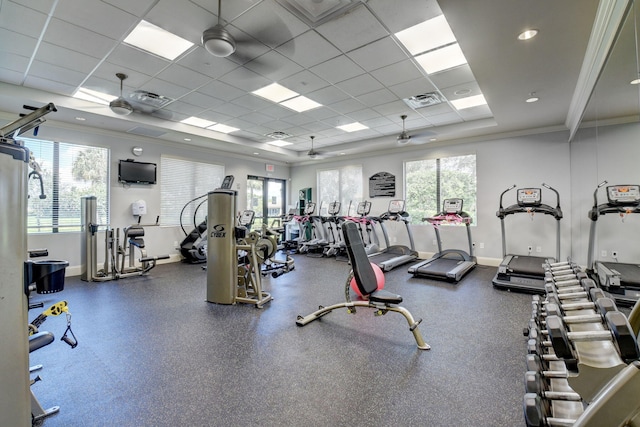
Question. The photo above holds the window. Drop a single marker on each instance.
(343, 185)
(429, 182)
(181, 181)
(69, 171)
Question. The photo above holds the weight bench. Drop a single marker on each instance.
(37, 341)
(362, 271)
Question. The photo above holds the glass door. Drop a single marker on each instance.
(266, 197)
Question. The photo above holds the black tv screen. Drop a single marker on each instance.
(136, 172)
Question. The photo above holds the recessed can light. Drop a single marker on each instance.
(635, 81)
(527, 34)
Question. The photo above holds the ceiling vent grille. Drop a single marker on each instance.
(278, 135)
(424, 100)
(150, 99)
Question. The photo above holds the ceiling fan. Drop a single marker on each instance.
(140, 101)
(313, 153)
(405, 138)
(272, 32)
(120, 105)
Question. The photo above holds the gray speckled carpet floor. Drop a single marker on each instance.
(153, 352)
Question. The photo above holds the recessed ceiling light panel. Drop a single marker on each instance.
(158, 41)
(300, 104)
(352, 127)
(198, 122)
(442, 59)
(428, 35)
(469, 101)
(275, 93)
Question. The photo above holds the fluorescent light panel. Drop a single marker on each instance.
(300, 104)
(94, 96)
(157, 41)
(279, 143)
(275, 93)
(352, 127)
(223, 128)
(442, 59)
(427, 35)
(196, 121)
(469, 101)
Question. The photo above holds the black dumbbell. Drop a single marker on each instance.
(536, 412)
(619, 332)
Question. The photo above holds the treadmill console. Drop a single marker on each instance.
(396, 206)
(364, 208)
(452, 206)
(623, 195)
(309, 208)
(529, 196)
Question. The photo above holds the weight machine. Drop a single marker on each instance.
(116, 254)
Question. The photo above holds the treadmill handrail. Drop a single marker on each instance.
(542, 208)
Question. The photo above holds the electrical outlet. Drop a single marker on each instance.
(538, 249)
(614, 254)
(603, 254)
(481, 245)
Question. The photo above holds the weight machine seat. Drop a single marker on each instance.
(362, 271)
(40, 340)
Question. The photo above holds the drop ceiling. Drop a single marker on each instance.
(350, 61)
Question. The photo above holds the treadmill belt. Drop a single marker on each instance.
(440, 267)
(629, 273)
(527, 265)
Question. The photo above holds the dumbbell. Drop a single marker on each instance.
(602, 306)
(536, 410)
(594, 295)
(577, 289)
(534, 383)
(619, 332)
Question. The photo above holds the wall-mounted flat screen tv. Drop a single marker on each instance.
(131, 172)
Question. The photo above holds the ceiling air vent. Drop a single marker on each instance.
(278, 135)
(424, 100)
(149, 99)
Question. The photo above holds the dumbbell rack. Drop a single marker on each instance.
(578, 342)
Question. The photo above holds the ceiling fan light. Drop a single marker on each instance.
(218, 41)
(121, 107)
(403, 139)
(312, 154)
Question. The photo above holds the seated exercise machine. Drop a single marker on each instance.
(233, 254)
(367, 282)
(393, 256)
(621, 280)
(17, 163)
(448, 264)
(115, 265)
(526, 272)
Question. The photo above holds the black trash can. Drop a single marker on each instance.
(48, 275)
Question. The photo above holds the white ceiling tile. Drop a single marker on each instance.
(356, 28)
(276, 111)
(347, 106)
(51, 53)
(445, 118)
(183, 76)
(255, 117)
(215, 116)
(245, 79)
(337, 69)
(412, 88)
(298, 119)
(378, 54)
(435, 110)
(328, 95)
(138, 60)
(107, 71)
(469, 88)
(360, 85)
(138, 7)
(79, 39)
(222, 91)
(399, 72)
(379, 121)
(13, 17)
(164, 88)
(10, 76)
(364, 115)
(377, 97)
(392, 108)
(184, 108)
(96, 16)
(203, 62)
(309, 49)
(14, 62)
(49, 85)
(321, 113)
(270, 23)
(411, 13)
(201, 100)
(15, 43)
(452, 77)
(252, 102)
(44, 6)
(274, 66)
(232, 110)
(56, 73)
(304, 82)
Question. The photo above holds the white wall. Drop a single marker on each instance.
(526, 161)
(159, 240)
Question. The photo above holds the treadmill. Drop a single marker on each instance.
(620, 280)
(393, 256)
(525, 273)
(448, 264)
